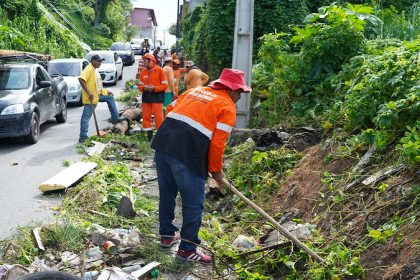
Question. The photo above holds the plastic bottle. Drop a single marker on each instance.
(90, 275)
(154, 273)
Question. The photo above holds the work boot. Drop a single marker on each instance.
(119, 119)
(150, 135)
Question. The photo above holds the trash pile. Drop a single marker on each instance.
(109, 254)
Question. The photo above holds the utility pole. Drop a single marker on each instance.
(177, 28)
(242, 54)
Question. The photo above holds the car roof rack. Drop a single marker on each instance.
(9, 57)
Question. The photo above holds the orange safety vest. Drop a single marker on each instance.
(196, 130)
(153, 77)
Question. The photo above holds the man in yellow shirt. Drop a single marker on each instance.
(195, 77)
(92, 93)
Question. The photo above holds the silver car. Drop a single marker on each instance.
(111, 69)
(70, 69)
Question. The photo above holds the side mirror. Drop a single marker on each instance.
(44, 84)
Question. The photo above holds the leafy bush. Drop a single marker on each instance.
(207, 31)
(294, 76)
(404, 25)
(264, 171)
(379, 91)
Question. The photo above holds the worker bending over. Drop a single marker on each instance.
(195, 77)
(189, 145)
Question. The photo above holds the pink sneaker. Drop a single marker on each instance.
(193, 256)
(168, 241)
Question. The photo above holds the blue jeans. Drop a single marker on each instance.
(87, 114)
(174, 177)
(111, 105)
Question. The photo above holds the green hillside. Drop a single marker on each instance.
(59, 27)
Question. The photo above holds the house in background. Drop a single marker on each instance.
(144, 20)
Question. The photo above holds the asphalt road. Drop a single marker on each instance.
(24, 167)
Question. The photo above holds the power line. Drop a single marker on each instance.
(65, 19)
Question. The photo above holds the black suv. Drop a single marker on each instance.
(125, 51)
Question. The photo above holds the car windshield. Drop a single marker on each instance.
(136, 41)
(109, 57)
(14, 78)
(120, 47)
(64, 68)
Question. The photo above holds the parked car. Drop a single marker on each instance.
(136, 45)
(28, 98)
(111, 69)
(70, 69)
(125, 51)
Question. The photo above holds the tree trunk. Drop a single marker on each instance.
(97, 8)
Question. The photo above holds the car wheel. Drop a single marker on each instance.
(50, 275)
(62, 115)
(120, 77)
(34, 130)
(116, 78)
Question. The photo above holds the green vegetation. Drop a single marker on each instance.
(349, 69)
(28, 26)
(329, 74)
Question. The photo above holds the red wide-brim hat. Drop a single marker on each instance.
(233, 79)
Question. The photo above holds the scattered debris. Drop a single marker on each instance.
(125, 208)
(97, 149)
(300, 231)
(243, 242)
(38, 241)
(383, 174)
(365, 159)
(141, 272)
(270, 139)
(67, 177)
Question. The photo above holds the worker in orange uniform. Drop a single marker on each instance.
(189, 145)
(170, 90)
(178, 72)
(195, 77)
(152, 84)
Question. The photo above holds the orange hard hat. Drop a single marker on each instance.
(150, 57)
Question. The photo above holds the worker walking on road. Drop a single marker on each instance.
(195, 77)
(152, 84)
(92, 93)
(189, 145)
(170, 90)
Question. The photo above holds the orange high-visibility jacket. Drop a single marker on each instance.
(195, 78)
(153, 77)
(196, 130)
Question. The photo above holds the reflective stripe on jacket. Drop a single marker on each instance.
(196, 130)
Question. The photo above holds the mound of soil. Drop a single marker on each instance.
(398, 257)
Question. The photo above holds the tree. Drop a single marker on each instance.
(172, 29)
